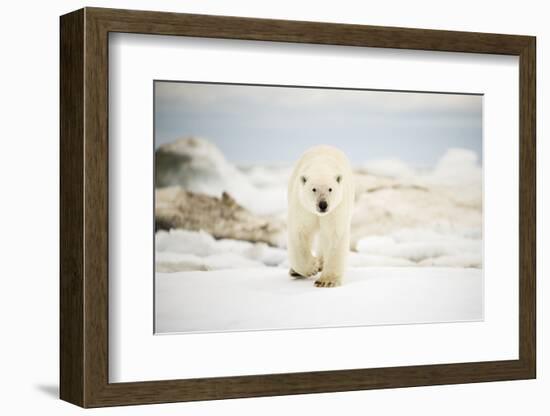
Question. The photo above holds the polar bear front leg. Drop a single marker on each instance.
(302, 261)
(335, 248)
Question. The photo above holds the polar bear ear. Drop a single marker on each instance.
(339, 178)
(304, 179)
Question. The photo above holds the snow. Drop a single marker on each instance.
(419, 245)
(405, 218)
(183, 250)
(368, 260)
(204, 169)
(402, 217)
(267, 298)
(417, 250)
(168, 262)
(457, 167)
(393, 168)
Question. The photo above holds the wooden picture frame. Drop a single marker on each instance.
(84, 207)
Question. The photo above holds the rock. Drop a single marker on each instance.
(220, 217)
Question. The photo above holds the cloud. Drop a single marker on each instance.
(225, 97)
(247, 122)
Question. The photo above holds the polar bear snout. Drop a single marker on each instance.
(321, 196)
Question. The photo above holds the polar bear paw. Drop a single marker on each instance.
(311, 270)
(326, 281)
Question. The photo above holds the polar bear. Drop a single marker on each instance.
(321, 194)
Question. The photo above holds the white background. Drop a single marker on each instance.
(136, 355)
(29, 181)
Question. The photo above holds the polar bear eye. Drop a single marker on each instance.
(304, 179)
(314, 190)
(330, 189)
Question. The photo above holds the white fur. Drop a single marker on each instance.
(323, 173)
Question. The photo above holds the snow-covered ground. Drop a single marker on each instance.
(267, 298)
(416, 256)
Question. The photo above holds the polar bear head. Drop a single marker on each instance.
(320, 190)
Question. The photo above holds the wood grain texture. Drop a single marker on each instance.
(226, 27)
(84, 207)
(71, 219)
(527, 208)
(96, 208)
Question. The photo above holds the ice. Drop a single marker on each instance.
(403, 216)
(168, 262)
(183, 250)
(426, 247)
(456, 260)
(416, 251)
(202, 168)
(188, 242)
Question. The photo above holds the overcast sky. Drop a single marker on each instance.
(263, 124)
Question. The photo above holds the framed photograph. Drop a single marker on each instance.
(254, 207)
